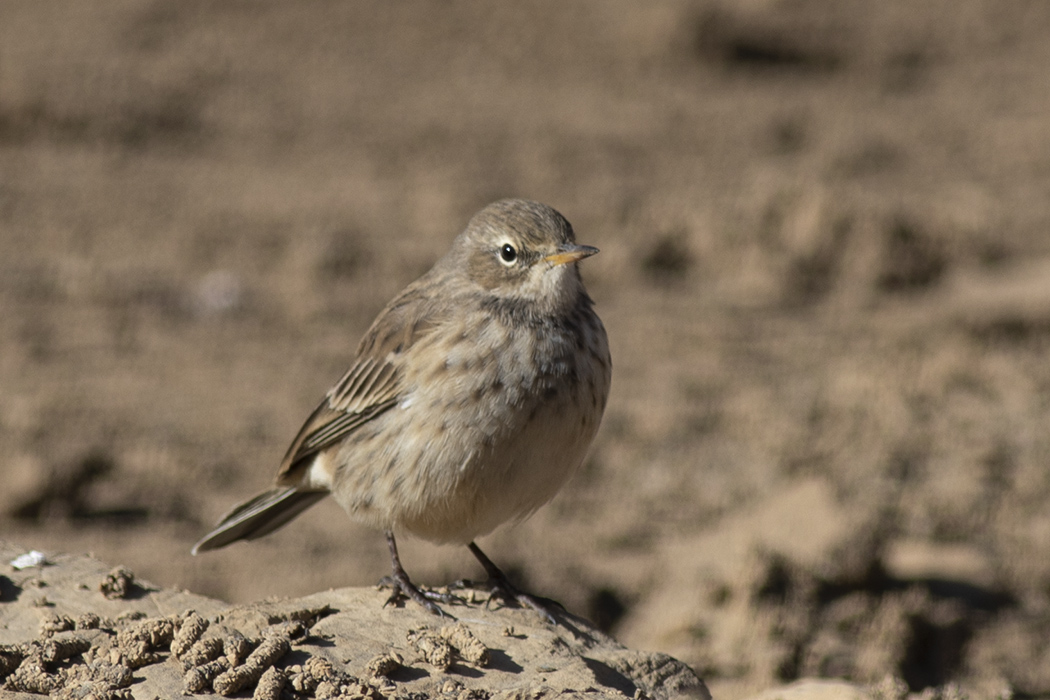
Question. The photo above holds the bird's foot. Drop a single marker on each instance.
(401, 588)
(502, 590)
(404, 588)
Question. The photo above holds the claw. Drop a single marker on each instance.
(501, 588)
(402, 587)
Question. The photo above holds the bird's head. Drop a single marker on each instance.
(521, 251)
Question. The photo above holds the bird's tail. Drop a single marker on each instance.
(259, 516)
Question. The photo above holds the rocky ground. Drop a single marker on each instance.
(825, 273)
(72, 629)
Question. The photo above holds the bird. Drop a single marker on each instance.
(470, 401)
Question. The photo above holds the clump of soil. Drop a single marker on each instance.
(340, 644)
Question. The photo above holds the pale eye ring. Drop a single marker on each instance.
(508, 254)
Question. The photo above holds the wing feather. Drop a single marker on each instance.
(371, 386)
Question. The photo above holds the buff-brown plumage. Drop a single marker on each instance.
(470, 401)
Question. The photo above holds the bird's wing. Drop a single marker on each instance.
(371, 386)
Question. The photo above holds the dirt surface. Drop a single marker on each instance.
(825, 273)
(66, 634)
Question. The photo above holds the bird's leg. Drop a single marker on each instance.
(502, 588)
(403, 586)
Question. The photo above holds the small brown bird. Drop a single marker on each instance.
(471, 400)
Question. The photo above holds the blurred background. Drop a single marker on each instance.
(825, 273)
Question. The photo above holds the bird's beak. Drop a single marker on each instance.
(570, 253)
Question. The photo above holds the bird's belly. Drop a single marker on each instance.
(454, 474)
(477, 443)
(532, 466)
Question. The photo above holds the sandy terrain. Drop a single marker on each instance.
(74, 625)
(825, 273)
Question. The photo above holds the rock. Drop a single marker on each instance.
(337, 643)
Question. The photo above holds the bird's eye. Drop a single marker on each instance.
(508, 254)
